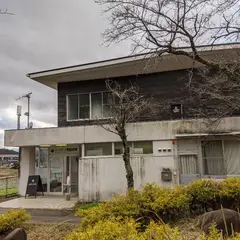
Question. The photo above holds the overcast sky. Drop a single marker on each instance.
(45, 34)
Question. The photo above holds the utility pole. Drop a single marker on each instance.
(28, 96)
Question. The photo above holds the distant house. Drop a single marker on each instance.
(172, 149)
(8, 156)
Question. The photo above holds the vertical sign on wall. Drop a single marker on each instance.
(176, 111)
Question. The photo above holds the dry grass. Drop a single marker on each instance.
(189, 228)
(8, 172)
(53, 231)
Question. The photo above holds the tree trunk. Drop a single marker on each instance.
(126, 159)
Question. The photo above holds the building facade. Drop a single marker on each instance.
(169, 149)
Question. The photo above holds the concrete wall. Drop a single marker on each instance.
(27, 168)
(162, 130)
(101, 178)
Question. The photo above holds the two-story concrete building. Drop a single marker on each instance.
(91, 156)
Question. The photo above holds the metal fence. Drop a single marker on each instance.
(8, 186)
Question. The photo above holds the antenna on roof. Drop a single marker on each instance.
(19, 113)
(28, 96)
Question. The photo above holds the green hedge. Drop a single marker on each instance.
(12, 219)
(168, 204)
(115, 229)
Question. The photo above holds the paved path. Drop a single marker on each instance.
(49, 215)
(56, 219)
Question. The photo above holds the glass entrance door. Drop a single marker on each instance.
(55, 175)
(70, 175)
(54, 170)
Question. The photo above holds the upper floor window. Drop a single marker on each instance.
(88, 106)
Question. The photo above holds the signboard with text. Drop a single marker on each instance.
(34, 185)
(68, 150)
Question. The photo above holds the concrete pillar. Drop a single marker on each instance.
(27, 168)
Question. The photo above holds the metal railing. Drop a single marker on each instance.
(8, 186)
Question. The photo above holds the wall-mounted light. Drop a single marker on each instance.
(61, 145)
(45, 145)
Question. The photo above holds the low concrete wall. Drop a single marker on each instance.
(101, 178)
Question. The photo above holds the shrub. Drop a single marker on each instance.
(12, 219)
(116, 229)
(157, 231)
(167, 203)
(111, 229)
(204, 194)
(156, 203)
(119, 207)
(230, 193)
(215, 234)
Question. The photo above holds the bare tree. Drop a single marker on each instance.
(213, 95)
(125, 105)
(165, 25)
(5, 12)
(179, 27)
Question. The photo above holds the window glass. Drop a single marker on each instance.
(41, 165)
(81, 105)
(84, 108)
(142, 147)
(96, 102)
(213, 158)
(98, 149)
(135, 147)
(43, 161)
(118, 148)
(72, 107)
(189, 164)
(106, 104)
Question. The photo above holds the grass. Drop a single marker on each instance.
(8, 177)
(10, 192)
(53, 231)
(84, 206)
(189, 228)
(8, 172)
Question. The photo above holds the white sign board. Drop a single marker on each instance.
(68, 150)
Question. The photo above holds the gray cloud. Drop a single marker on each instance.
(43, 35)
